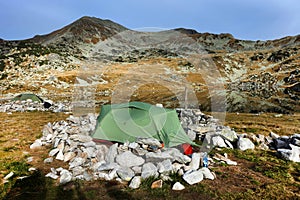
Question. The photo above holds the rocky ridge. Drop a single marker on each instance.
(259, 76)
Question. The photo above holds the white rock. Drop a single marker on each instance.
(165, 167)
(291, 155)
(230, 162)
(218, 141)
(78, 171)
(133, 145)
(195, 163)
(61, 146)
(32, 169)
(244, 144)
(69, 156)
(128, 159)
(89, 144)
(192, 135)
(53, 152)
(9, 175)
(125, 173)
(112, 153)
(137, 169)
(49, 137)
(149, 169)
(78, 161)
(111, 175)
(180, 172)
(81, 138)
(101, 152)
(37, 144)
(193, 177)
(108, 166)
(135, 182)
(52, 175)
(178, 156)
(207, 173)
(48, 160)
(149, 141)
(157, 156)
(60, 155)
(229, 134)
(178, 186)
(177, 166)
(65, 177)
(274, 135)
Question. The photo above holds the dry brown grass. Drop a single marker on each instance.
(18, 131)
(264, 123)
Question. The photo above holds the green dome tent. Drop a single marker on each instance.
(33, 97)
(130, 121)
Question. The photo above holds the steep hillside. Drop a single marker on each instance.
(257, 75)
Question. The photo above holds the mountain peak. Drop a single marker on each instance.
(85, 29)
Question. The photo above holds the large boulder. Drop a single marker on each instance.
(244, 144)
(128, 159)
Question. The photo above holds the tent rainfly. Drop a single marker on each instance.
(33, 97)
(130, 121)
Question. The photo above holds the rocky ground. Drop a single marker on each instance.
(71, 154)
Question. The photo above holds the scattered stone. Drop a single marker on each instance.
(125, 173)
(291, 155)
(112, 153)
(37, 144)
(207, 173)
(52, 175)
(65, 177)
(295, 141)
(133, 145)
(244, 144)
(29, 159)
(53, 152)
(69, 156)
(195, 162)
(218, 141)
(193, 177)
(149, 141)
(76, 162)
(229, 134)
(148, 170)
(157, 156)
(32, 169)
(9, 175)
(157, 184)
(48, 160)
(178, 156)
(192, 135)
(81, 138)
(165, 167)
(128, 159)
(137, 169)
(219, 157)
(178, 186)
(274, 135)
(108, 166)
(60, 155)
(135, 182)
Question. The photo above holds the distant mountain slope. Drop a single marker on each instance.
(258, 75)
